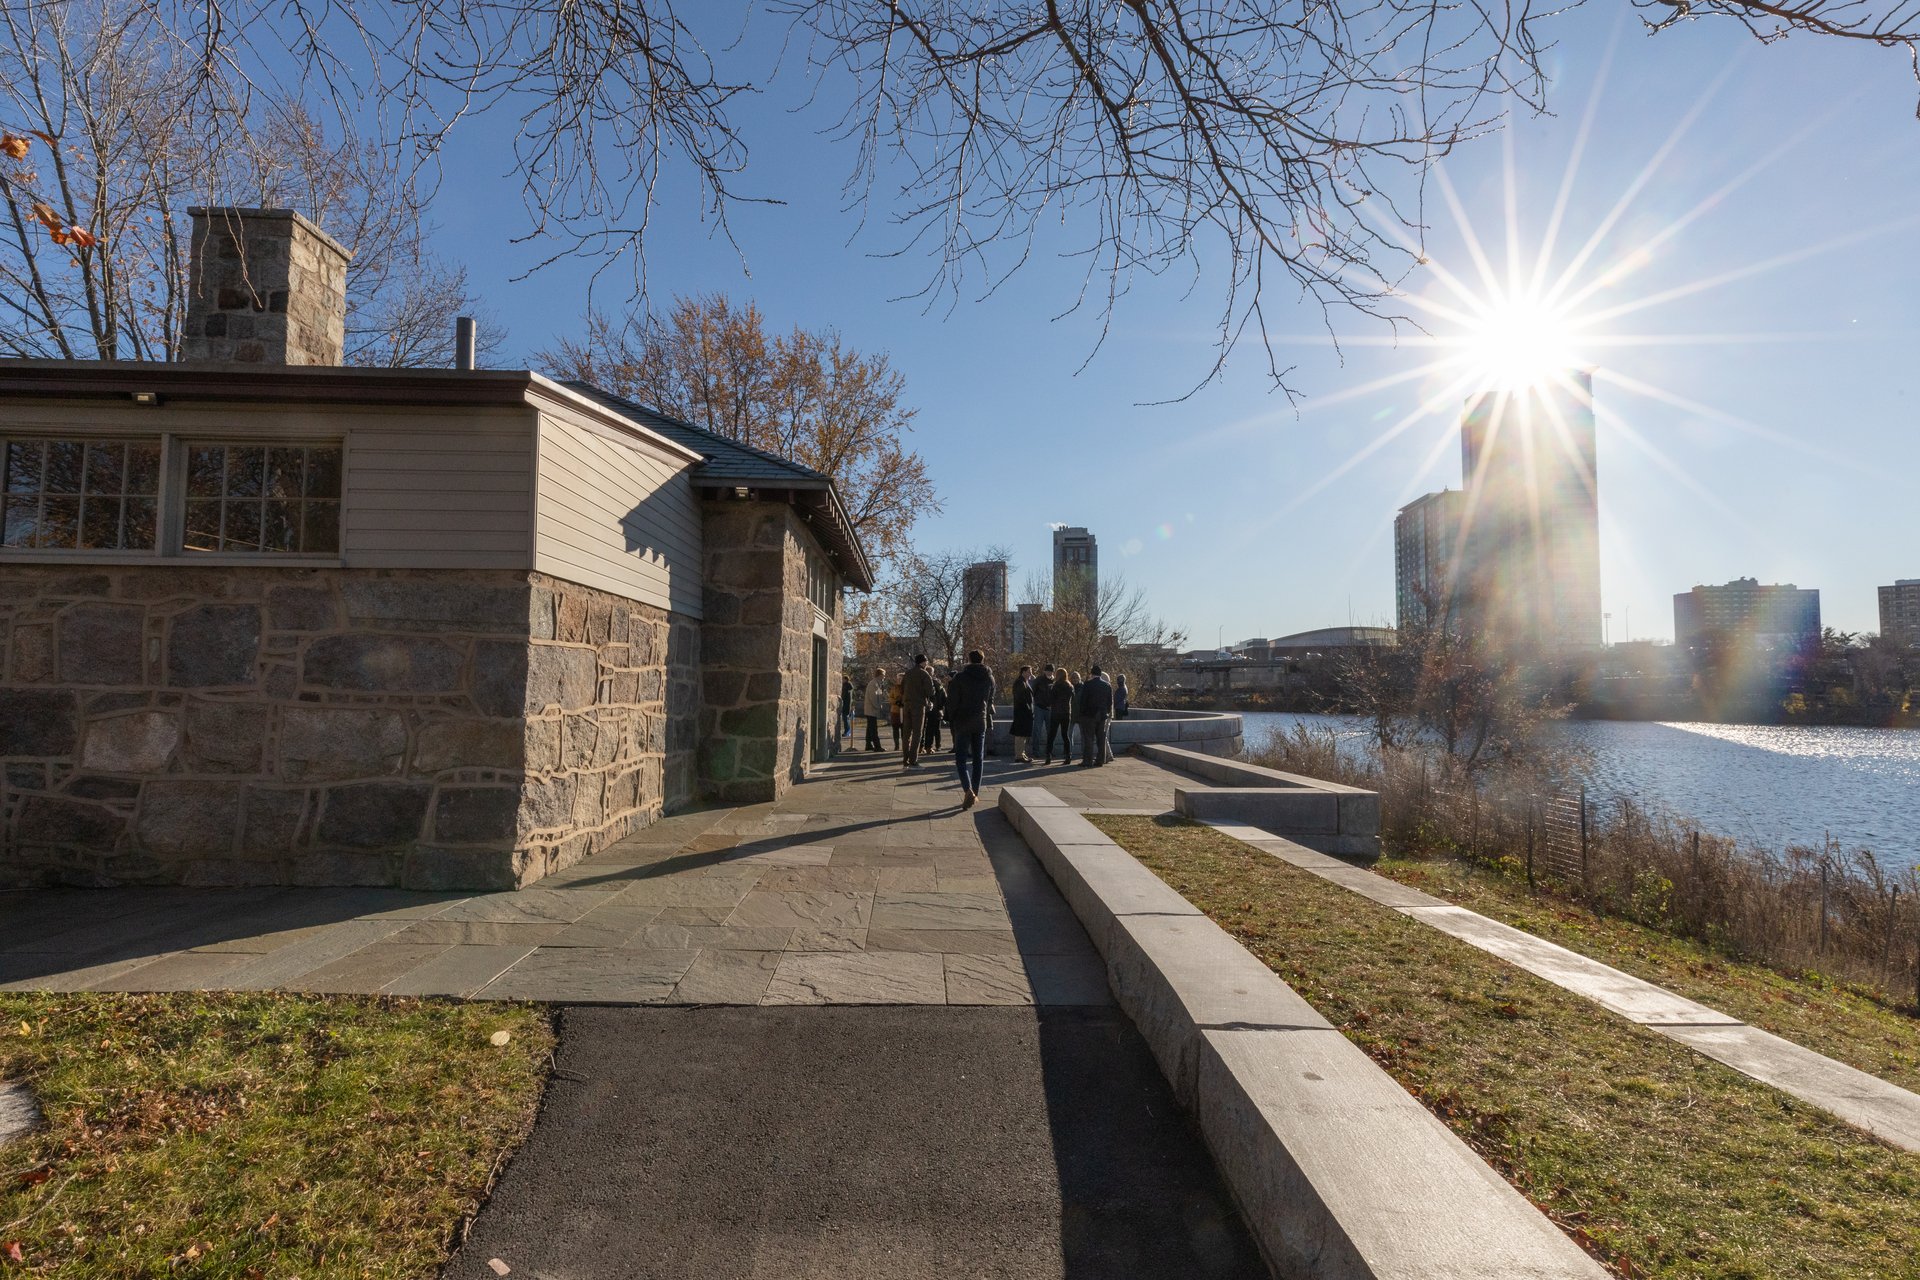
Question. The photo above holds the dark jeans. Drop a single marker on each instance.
(873, 733)
(933, 731)
(1064, 727)
(1041, 719)
(970, 756)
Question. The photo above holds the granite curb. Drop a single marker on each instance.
(1340, 1173)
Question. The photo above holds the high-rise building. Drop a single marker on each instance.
(1076, 570)
(1020, 624)
(984, 609)
(1426, 537)
(1745, 616)
(1900, 612)
(1527, 568)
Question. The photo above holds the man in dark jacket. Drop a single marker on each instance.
(936, 712)
(1094, 710)
(1042, 709)
(1062, 719)
(970, 699)
(916, 693)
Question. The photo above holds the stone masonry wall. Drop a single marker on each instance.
(324, 726)
(611, 706)
(251, 726)
(757, 652)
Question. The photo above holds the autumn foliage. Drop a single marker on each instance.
(804, 395)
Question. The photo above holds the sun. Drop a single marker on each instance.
(1516, 341)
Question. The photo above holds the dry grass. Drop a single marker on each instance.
(1663, 1162)
(257, 1135)
(1837, 914)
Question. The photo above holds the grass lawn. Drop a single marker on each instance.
(1838, 1020)
(1663, 1162)
(257, 1135)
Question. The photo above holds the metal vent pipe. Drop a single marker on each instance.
(463, 342)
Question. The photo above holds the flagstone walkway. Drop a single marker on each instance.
(865, 885)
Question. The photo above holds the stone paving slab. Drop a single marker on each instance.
(867, 883)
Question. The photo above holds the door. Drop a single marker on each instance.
(817, 723)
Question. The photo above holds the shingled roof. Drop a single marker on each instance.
(728, 464)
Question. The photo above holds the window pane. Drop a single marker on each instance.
(281, 531)
(60, 523)
(100, 523)
(242, 532)
(283, 472)
(64, 458)
(203, 524)
(246, 472)
(323, 473)
(143, 469)
(22, 520)
(140, 525)
(322, 527)
(205, 466)
(105, 467)
(23, 466)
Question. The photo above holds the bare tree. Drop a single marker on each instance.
(1286, 140)
(805, 395)
(112, 130)
(1122, 624)
(935, 601)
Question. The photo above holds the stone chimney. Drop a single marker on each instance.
(264, 286)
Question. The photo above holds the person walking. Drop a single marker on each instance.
(876, 700)
(970, 698)
(1093, 708)
(1042, 709)
(846, 705)
(1120, 696)
(1062, 720)
(1022, 729)
(916, 695)
(936, 712)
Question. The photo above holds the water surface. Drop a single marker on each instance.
(1770, 784)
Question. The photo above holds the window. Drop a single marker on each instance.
(88, 495)
(66, 494)
(820, 585)
(259, 497)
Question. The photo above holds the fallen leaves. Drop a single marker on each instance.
(499, 1039)
(11, 1250)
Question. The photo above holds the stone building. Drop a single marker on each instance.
(270, 620)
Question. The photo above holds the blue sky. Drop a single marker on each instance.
(1758, 421)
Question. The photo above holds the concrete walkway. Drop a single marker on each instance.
(866, 884)
(830, 1143)
(1883, 1109)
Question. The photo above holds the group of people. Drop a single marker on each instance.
(1045, 706)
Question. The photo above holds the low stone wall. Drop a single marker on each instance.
(241, 725)
(1216, 733)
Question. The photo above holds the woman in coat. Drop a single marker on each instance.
(877, 701)
(1120, 697)
(1022, 714)
(1061, 721)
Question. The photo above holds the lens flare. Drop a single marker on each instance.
(1519, 342)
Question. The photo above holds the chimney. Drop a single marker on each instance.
(264, 286)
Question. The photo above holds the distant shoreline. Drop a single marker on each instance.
(1259, 701)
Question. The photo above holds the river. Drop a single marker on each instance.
(1769, 784)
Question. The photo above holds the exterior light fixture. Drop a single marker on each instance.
(149, 398)
(741, 491)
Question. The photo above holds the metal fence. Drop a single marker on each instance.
(1561, 844)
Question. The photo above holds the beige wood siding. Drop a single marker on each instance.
(617, 514)
(424, 488)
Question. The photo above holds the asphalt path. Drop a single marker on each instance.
(849, 1142)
